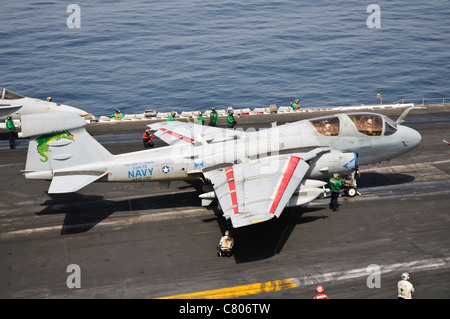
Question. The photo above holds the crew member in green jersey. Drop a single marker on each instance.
(200, 118)
(231, 122)
(213, 117)
(335, 187)
(11, 131)
(172, 117)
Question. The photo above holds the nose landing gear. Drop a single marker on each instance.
(351, 189)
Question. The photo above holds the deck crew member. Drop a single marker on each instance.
(200, 118)
(117, 115)
(231, 122)
(172, 117)
(335, 187)
(147, 138)
(213, 117)
(225, 245)
(320, 293)
(11, 131)
(405, 288)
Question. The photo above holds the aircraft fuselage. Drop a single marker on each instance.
(348, 148)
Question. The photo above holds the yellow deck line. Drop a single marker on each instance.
(238, 291)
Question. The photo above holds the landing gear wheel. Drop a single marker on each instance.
(351, 191)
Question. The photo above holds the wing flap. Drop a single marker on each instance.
(296, 168)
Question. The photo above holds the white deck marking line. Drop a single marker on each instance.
(418, 265)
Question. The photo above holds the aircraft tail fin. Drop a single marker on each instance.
(60, 149)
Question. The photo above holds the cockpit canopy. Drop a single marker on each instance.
(366, 123)
(9, 95)
(328, 126)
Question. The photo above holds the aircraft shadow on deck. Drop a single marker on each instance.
(255, 242)
(372, 179)
(264, 240)
(83, 212)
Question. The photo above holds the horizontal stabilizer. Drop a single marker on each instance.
(72, 183)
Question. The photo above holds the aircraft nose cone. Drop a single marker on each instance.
(417, 138)
(410, 137)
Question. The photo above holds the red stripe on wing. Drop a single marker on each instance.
(179, 136)
(232, 186)
(292, 165)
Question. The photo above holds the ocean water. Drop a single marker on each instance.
(195, 54)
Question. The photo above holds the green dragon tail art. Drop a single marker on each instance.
(45, 140)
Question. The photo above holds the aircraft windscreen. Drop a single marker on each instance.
(328, 126)
(368, 124)
(10, 95)
(389, 126)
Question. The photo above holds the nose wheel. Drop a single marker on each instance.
(350, 185)
(351, 191)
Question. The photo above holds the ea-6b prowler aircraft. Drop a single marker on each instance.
(254, 174)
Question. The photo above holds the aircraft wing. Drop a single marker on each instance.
(184, 132)
(7, 109)
(256, 191)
